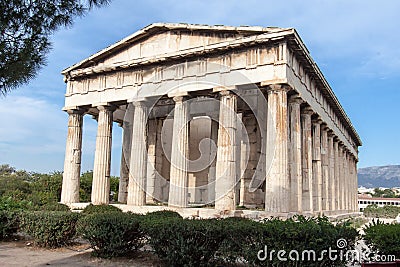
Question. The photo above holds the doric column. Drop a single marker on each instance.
(317, 167)
(355, 184)
(337, 173)
(151, 184)
(72, 162)
(307, 160)
(102, 156)
(341, 177)
(212, 170)
(351, 183)
(295, 164)
(178, 189)
(124, 169)
(243, 148)
(346, 180)
(325, 167)
(277, 181)
(138, 159)
(226, 177)
(331, 184)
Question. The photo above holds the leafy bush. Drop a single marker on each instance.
(50, 228)
(241, 237)
(91, 209)
(10, 204)
(245, 238)
(8, 223)
(55, 206)
(46, 188)
(184, 242)
(163, 214)
(382, 212)
(111, 234)
(383, 238)
(86, 182)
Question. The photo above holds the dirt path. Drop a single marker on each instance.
(19, 254)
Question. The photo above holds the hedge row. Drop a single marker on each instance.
(383, 238)
(49, 228)
(184, 242)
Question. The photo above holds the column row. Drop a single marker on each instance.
(311, 171)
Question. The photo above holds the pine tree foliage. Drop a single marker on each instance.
(26, 27)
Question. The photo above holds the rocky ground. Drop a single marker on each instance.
(22, 253)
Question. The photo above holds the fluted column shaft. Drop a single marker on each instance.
(72, 162)
(317, 167)
(212, 169)
(138, 159)
(124, 169)
(337, 174)
(226, 177)
(331, 182)
(295, 164)
(307, 177)
(341, 178)
(178, 189)
(351, 184)
(152, 141)
(102, 156)
(355, 184)
(325, 167)
(345, 181)
(277, 181)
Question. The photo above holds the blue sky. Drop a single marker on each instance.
(355, 43)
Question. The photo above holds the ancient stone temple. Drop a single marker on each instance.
(214, 118)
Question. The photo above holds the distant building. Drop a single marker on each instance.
(364, 190)
(366, 200)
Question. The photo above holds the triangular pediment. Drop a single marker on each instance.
(162, 38)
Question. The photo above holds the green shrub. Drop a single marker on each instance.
(9, 223)
(163, 214)
(184, 242)
(52, 206)
(8, 203)
(241, 237)
(91, 209)
(383, 239)
(50, 228)
(381, 212)
(111, 234)
(245, 238)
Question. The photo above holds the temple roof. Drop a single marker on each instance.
(155, 28)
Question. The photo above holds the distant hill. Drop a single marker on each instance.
(380, 176)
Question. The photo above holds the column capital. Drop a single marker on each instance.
(296, 99)
(76, 110)
(180, 98)
(272, 88)
(140, 103)
(106, 107)
(331, 134)
(307, 111)
(226, 92)
(317, 121)
(325, 127)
